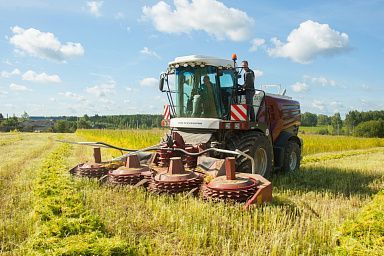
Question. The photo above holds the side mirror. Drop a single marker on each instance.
(161, 82)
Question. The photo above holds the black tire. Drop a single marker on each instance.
(256, 145)
(292, 157)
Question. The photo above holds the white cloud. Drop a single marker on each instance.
(44, 44)
(149, 81)
(119, 16)
(256, 43)
(94, 7)
(258, 73)
(129, 89)
(147, 51)
(300, 87)
(323, 81)
(210, 16)
(318, 104)
(102, 90)
(337, 106)
(43, 77)
(3, 93)
(18, 88)
(72, 95)
(6, 74)
(310, 40)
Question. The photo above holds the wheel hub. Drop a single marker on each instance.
(292, 161)
(261, 161)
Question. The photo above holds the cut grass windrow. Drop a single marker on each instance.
(365, 234)
(17, 171)
(63, 225)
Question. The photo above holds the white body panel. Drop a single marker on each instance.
(199, 59)
(278, 96)
(197, 123)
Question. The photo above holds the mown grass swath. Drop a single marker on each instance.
(365, 234)
(20, 158)
(63, 225)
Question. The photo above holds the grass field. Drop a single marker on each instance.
(321, 210)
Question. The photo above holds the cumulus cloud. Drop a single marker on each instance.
(42, 78)
(94, 7)
(258, 73)
(44, 44)
(149, 81)
(72, 95)
(321, 80)
(147, 51)
(318, 104)
(300, 87)
(309, 40)
(102, 90)
(18, 88)
(256, 43)
(6, 74)
(119, 16)
(210, 16)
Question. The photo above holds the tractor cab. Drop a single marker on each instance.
(200, 87)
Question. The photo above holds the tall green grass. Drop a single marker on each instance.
(313, 144)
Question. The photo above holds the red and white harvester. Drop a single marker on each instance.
(213, 148)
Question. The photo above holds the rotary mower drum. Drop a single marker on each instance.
(177, 167)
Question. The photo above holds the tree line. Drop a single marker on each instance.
(365, 124)
(362, 124)
(72, 123)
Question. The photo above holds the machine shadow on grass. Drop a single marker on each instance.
(331, 180)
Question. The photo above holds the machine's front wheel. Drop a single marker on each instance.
(292, 157)
(257, 146)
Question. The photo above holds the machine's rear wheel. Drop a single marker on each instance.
(256, 145)
(292, 157)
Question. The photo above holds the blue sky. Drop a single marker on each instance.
(105, 57)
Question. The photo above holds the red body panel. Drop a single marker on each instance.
(284, 114)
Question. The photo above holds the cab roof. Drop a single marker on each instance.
(193, 60)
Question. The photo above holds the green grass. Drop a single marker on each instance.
(309, 208)
(365, 234)
(314, 144)
(63, 225)
(313, 211)
(315, 129)
(19, 161)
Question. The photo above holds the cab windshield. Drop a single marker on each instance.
(203, 91)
